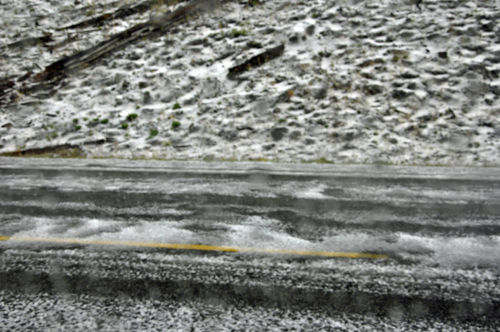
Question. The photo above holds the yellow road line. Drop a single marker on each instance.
(196, 247)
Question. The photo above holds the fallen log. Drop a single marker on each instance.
(84, 58)
(122, 12)
(257, 60)
(31, 42)
(56, 71)
(63, 151)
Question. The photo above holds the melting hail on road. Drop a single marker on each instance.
(261, 237)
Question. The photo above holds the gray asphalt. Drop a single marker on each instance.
(439, 227)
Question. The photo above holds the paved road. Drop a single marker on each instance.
(439, 228)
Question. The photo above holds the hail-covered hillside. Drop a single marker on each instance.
(356, 81)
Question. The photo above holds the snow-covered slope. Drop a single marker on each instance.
(358, 82)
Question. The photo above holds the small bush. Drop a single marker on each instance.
(175, 124)
(75, 120)
(124, 125)
(282, 120)
(153, 133)
(238, 33)
(131, 117)
(104, 121)
(176, 106)
(78, 127)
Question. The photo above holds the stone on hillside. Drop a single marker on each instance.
(293, 38)
(267, 147)
(310, 29)
(409, 74)
(309, 141)
(207, 141)
(373, 89)
(278, 133)
(167, 96)
(211, 88)
(229, 134)
(196, 41)
(147, 99)
(495, 88)
(443, 55)
(409, 34)
(193, 128)
(401, 94)
(295, 134)
(476, 87)
(319, 92)
(350, 135)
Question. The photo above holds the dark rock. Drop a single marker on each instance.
(450, 113)
(295, 134)
(309, 141)
(268, 147)
(495, 88)
(134, 56)
(196, 41)
(208, 141)
(245, 128)
(471, 32)
(407, 34)
(373, 89)
(409, 74)
(211, 88)
(476, 87)
(443, 55)
(258, 60)
(494, 60)
(392, 140)
(142, 85)
(488, 27)
(294, 38)
(371, 62)
(483, 69)
(278, 133)
(147, 98)
(410, 128)
(400, 94)
(193, 128)
(230, 135)
(320, 92)
(349, 136)
(475, 48)
(310, 29)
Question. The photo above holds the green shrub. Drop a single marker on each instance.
(124, 125)
(78, 127)
(104, 121)
(238, 33)
(176, 106)
(175, 124)
(153, 133)
(131, 117)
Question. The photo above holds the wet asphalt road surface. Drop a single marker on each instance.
(439, 227)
